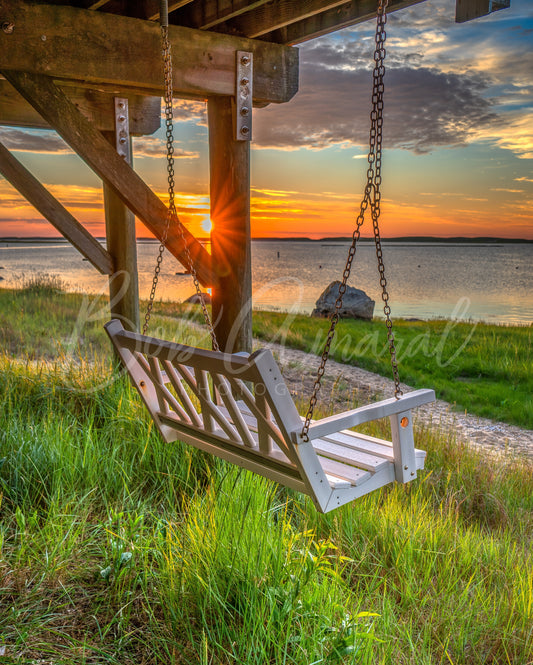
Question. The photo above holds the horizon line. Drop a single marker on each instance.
(419, 238)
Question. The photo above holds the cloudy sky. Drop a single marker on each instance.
(458, 138)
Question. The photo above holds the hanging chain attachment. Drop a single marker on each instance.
(172, 214)
(167, 65)
(372, 198)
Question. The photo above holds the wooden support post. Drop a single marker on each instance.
(122, 245)
(230, 237)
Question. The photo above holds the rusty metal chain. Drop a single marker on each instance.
(172, 214)
(372, 198)
(167, 64)
(376, 143)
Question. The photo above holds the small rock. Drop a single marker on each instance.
(355, 304)
(195, 299)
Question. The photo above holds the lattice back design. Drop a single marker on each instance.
(222, 405)
(203, 396)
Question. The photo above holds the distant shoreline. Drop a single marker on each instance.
(12, 240)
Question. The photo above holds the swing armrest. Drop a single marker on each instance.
(363, 414)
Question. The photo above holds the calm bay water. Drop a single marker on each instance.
(493, 283)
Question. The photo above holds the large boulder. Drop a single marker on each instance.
(197, 300)
(355, 304)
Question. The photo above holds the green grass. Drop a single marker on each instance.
(118, 548)
(484, 369)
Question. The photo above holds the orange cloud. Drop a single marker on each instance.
(289, 213)
(320, 215)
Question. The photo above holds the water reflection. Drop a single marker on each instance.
(425, 280)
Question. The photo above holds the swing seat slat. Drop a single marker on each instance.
(239, 408)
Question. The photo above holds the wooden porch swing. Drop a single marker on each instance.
(238, 407)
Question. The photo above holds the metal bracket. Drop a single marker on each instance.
(122, 128)
(244, 73)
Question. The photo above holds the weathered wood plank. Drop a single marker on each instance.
(96, 106)
(349, 13)
(279, 13)
(92, 4)
(351, 473)
(152, 7)
(229, 165)
(93, 148)
(209, 14)
(468, 10)
(224, 390)
(369, 444)
(50, 208)
(95, 49)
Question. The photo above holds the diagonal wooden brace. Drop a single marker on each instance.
(50, 208)
(54, 106)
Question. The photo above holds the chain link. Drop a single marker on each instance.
(372, 198)
(172, 214)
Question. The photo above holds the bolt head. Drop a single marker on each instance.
(245, 111)
(245, 60)
(122, 140)
(245, 130)
(245, 81)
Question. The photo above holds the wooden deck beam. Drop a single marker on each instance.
(92, 147)
(468, 10)
(207, 15)
(336, 18)
(50, 208)
(279, 13)
(122, 54)
(153, 14)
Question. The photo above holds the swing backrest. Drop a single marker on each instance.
(235, 406)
